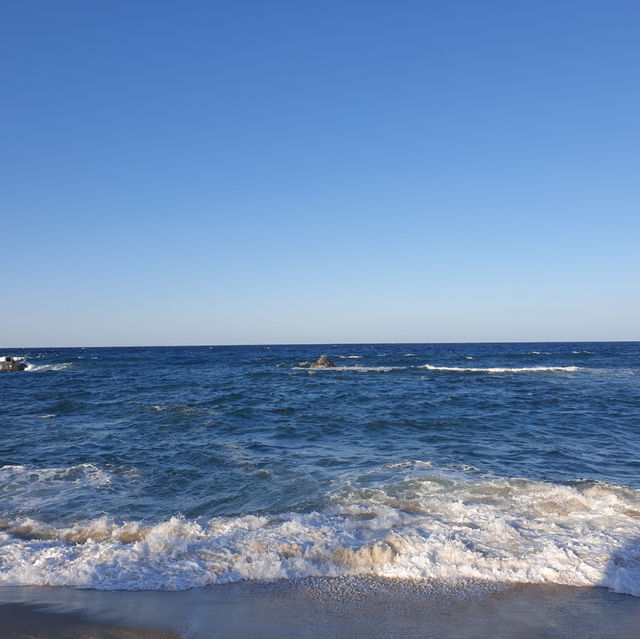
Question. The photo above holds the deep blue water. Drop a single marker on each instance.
(144, 434)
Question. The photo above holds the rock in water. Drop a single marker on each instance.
(323, 362)
(11, 366)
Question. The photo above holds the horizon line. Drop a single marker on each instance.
(257, 344)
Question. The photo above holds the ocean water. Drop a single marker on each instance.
(174, 468)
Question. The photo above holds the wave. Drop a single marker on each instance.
(446, 369)
(427, 527)
(87, 473)
(48, 367)
(350, 356)
(502, 369)
(357, 368)
(25, 488)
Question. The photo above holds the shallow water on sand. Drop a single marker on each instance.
(343, 607)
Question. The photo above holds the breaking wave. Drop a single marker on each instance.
(446, 369)
(48, 367)
(428, 526)
(502, 369)
(357, 368)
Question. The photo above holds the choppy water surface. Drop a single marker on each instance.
(168, 468)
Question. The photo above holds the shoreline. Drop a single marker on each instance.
(343, 607)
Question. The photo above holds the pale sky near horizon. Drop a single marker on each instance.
(310, 172)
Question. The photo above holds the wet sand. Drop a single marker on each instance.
(350, 608)
(21, 622)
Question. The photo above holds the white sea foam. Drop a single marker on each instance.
(48, 367)
(408, 463)
(29, 487)
(448, 369)
(358, 368)
(350, 356)
(503, 369)
(424, 527)
(79, 473)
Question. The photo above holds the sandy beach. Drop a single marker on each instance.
(320, 608)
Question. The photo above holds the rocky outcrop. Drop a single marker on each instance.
(11, 366)
(323, 362)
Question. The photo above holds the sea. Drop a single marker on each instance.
(173, 468)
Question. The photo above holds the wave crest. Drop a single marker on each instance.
(503, 369)
(32, 368)
(429, 527)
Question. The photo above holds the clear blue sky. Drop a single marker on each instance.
(296, 171)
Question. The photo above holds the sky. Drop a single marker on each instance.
(261, 172)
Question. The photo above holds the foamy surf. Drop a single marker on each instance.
(25, 488)
(14, 475)
(503, 369)
(32, 368)
(425, 527)
(446, 369)
(357, 368)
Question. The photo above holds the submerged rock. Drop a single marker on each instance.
(323, 362)
(11, 366)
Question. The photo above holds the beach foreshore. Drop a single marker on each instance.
(354, 608)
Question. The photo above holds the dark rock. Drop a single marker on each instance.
(11, 366)
(323, 362)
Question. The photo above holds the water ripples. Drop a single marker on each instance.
(211, 430)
